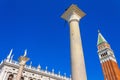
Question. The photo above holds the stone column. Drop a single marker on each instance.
(26, 78)
(22, 60)
(4, 76)
(73, 15)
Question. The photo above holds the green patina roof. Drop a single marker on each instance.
(101, 39)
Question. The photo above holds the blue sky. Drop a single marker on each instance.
(36, 25)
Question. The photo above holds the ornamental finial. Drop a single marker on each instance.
(39, 67)
(53, 70)
(12, 57)
(98, 31)
(65, 74)
(46, 68)
(31, 63)
(25, 53)
(59, 73)
(8, 57)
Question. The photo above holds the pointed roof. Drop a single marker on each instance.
(101, 39)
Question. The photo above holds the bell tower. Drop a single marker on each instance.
(107, 59)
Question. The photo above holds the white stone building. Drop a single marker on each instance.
(9, 69)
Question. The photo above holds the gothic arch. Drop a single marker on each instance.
(10, 77)
(22, 78)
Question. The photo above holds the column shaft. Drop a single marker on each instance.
(4, 76)
(77, 58)
(1, 75)
(19, 75)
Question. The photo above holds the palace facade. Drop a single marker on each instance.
(9, 69)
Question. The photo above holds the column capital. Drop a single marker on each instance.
(23, 60)
(73, 13)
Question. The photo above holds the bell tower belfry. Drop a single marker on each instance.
(107, 59)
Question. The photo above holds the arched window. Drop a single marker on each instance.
(10, 77)
(22, 78)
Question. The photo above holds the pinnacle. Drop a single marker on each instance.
(101, 39)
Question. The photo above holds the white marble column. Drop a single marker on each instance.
(26, 78)
(14, 76)
(2, 74)
(5, 75)
(73, 15)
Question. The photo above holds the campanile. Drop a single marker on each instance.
(107, 59)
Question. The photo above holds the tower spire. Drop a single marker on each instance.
(101, 39)
(107, 59)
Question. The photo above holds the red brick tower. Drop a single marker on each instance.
(107, 59)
